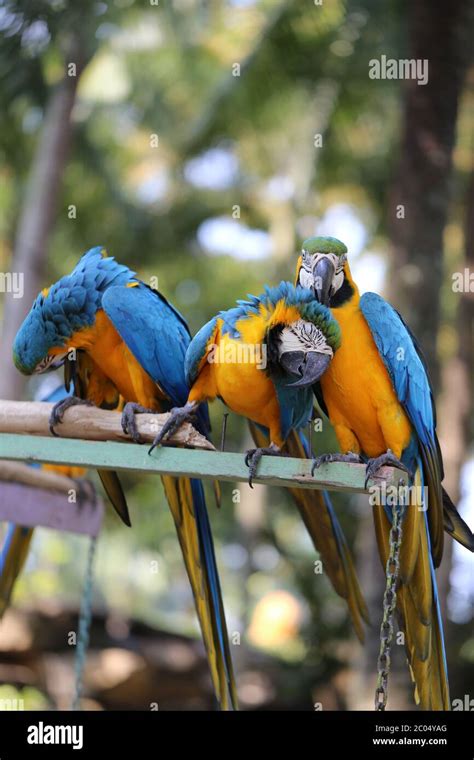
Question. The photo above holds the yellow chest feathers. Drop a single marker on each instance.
(357, 388)
(105, 346)
(237, 367)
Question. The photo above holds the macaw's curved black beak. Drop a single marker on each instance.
(308, 368)
(323, 274)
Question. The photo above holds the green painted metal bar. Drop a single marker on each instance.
(273, 471)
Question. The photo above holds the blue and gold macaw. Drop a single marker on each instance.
(133, 342)
(297, 337)
(16, 545)
(377, 395)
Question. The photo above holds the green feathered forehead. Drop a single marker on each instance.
(324, 245)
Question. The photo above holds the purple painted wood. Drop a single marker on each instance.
(35, 507)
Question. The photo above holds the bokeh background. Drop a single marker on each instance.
(200, 141)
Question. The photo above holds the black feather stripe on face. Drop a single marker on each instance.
(272, 342)
(341, 296)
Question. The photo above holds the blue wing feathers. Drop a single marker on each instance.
(407, 370)
(197, 350)
(156, 339)
(404, 365)
(156, 335)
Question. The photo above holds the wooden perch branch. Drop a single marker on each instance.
(16, 472)
(25, 437)
(91, 423)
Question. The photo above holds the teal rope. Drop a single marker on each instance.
(84, 625)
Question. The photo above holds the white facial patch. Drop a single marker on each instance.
(303, 336)
(309, 262)
(48, 360)
(43, 365)
(305, 277)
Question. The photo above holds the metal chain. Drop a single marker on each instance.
(84, 626)
(392, 571)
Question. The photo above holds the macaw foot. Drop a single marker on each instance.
(128, 421)
(59, 409)
(85, 492)
(388, 458)
(327, 458)
(253, 457)
(178, 415)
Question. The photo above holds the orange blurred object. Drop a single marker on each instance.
(276, 620)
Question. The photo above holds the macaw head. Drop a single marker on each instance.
(302, 345)
(41, 342)
(71, 304)
(322, 267)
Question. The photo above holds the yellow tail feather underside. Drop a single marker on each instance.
(416, 606)
(16, 557)
(179, 496)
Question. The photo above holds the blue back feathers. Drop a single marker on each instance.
(71, 304)
(74, 300)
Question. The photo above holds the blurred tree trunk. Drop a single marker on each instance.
(466, 314)
(37, 216)
(457, 391)
(421, 188)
